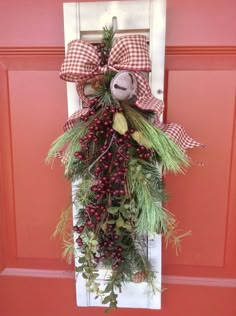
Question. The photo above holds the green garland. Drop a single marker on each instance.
(117, 156)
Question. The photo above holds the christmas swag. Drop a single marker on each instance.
(115, 151)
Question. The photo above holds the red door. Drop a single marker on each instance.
(200, 94)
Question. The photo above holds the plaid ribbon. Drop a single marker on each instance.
(130, 53)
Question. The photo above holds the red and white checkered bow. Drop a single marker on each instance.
(130, 52)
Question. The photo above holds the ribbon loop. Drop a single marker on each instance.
(82, 60)
(130, 52)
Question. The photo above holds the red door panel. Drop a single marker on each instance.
(204, 102)
(34, 194)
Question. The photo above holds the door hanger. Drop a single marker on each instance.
(85, 21)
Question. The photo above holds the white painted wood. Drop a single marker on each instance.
(130, 15)
(71, 31)
(85, 20)
(157, 46)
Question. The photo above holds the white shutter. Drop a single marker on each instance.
(85, 20)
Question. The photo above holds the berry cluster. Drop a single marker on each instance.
(143, 152)
(79, 230)
(113, 151)
(93, 214)
(109, 248)
(100, 128)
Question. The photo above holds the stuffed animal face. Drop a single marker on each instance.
(123, 85)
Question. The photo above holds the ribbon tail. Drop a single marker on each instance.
(178, 134)
(70, 123)
(145, 99)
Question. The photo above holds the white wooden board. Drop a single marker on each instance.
(85, 20)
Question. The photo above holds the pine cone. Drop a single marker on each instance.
(139, 277)
(96, 82)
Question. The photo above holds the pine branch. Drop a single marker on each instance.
(83, 194)
(62, 141)
(152, 218)
(172, 157)
(108, 36)
(104, 92)
(68, 250)
(63, 227)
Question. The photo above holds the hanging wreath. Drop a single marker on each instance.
(115, 151)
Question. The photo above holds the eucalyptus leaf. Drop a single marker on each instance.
(87, 269)
(79, 269)
(108, 288)
(113, 210)
(104, 226)
(106, 300)
(111, 221)
(128, 227)
(125, 213)
(82, 260)
(120, 222)
(94, 242)
(96, 275)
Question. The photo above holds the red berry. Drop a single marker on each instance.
(76, 229)
(81, 228)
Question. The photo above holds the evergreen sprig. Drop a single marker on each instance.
(104, 92)
(108, 37)
(172, 157)
(145, 184)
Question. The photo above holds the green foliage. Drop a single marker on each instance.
(63, 230)
(64, 224)
(68, 143)
(108, 36)
(82, 193)
(174, 237)
(172, 157)
(104, 92)
(68, 250)
(145, 184)
(66, 139)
